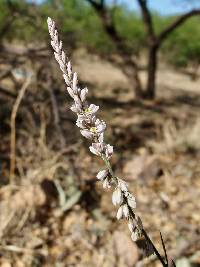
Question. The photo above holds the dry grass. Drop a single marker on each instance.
(178, 140)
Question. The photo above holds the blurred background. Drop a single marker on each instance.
(140, 60)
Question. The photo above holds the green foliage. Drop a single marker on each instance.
(183, 45)
(81, 27)
(130, 27)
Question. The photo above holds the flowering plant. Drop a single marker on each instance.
(93, 129)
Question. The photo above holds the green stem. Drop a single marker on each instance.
(108, 166)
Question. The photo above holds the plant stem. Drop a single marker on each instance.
(160, 258)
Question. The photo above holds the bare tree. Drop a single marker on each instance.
(129, 65)
(154, 42)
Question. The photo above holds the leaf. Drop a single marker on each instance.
(70, 202)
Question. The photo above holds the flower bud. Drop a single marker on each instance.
(83, 94)
(109, 151)
(70, 91)
(131, 226)
(135, 235)
(102, 174)
(106, 183)
(120, 213)
(117, 197)
(66, 79)
(123, 186)
(96, 148)
(69, 69)
(87, 134)
(93, 109)
(131, 201)
(125, 211)
(75, 82)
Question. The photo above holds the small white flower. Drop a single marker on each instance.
(93, 109)
(75, 109)
(96, 148)
(77, 101)
(57, 57)
(100, 126)
(125, 210)
(81, 122)
(70, 91)
(120, 213)
(87, 134)
(109, 151)
(131, 201)
(106, 183)
(55, 37)
(62, 65)
(60, 45)
(83, 94)
(134, 235)
(123, 185)
(54, 46)
(75, 82)
(117, 197)
(94, 151)
(63, 57)
(101, 138)
(66, 79)
(131, 226)
(69, 69)
(102, 174)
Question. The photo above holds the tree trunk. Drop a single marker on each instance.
(151, 72)
(131, 71)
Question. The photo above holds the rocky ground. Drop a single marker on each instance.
(53, 211)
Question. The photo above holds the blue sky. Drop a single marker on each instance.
(165, 7)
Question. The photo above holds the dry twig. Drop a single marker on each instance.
(13, 126)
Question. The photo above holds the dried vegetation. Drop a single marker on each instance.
(52, 210)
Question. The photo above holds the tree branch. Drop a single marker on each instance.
(110, 29)
(96, 5)
(147, 18)
(180, 20)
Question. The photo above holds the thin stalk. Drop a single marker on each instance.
(160, 258)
